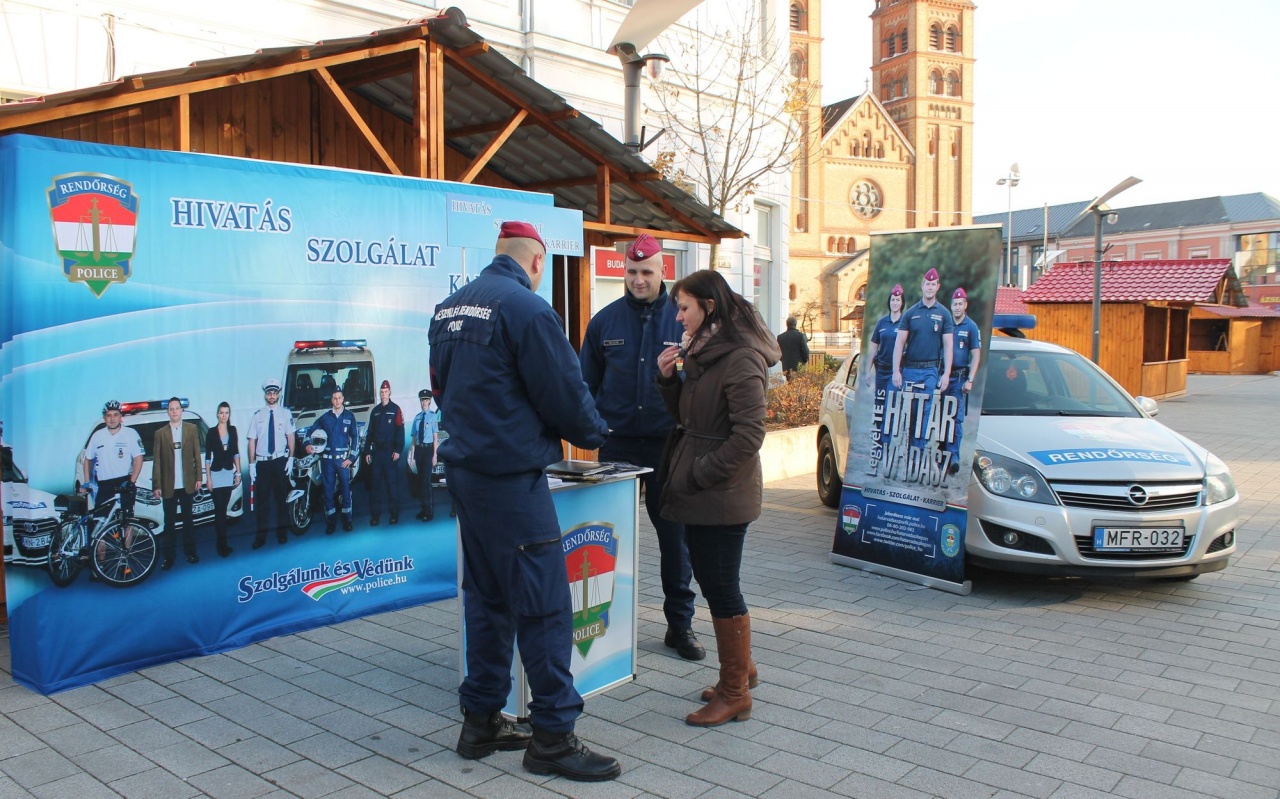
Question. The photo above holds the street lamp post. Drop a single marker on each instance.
(1099, 209)
(1009, 180)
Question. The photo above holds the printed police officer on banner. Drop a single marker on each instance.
(113, 460)
(270, 438)
(384, 439)
(510, 385)
(339, 424)
(422, 455)
(619, 360)
(924, 339)
(965, 358)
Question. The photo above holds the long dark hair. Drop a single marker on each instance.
(732, 315)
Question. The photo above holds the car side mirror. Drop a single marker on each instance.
(1148, 406)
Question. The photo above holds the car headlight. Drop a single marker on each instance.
(1218, 485)
(1006, 477)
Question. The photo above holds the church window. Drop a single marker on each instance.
(831, 243)
(935, 36)
(854, 149)
(953, 84)
(840, 245)
(953, 39)
(791, 292)
(799, 69)
(865, 198)
(902, 85)
(935, 82)
(893, 45)
(902, 41)
(861, 293)
(799, 19)
(879, 150)
(886, 88)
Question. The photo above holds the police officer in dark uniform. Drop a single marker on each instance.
(880, 354)
(924, 339)
(383, 441)
(425, 431)
(505, 374)
(339, 424)
(620, 364)
(966, 355)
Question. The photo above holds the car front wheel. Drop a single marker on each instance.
(829, 483)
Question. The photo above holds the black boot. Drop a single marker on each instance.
(562, 753)
(685, 643)
(485, 733)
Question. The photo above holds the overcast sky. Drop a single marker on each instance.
(1083, 93)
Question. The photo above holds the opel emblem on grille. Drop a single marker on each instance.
(1137, 495)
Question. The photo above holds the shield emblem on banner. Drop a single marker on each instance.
(850, 516)
(590, 557)
(95, 221)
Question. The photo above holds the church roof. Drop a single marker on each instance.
(1194, 280)
(832, 114)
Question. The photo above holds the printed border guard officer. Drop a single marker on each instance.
(509, 382)
(965, 358)
(384, 438)
(270, 438)
(335, 464)
(924, 339)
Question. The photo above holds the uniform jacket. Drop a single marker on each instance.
(625, 387)
(507, 378)
(712, 467)
(342, 431)
(162, 460)
(385, 432)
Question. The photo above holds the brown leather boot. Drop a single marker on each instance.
(732, 699)
(753, 680)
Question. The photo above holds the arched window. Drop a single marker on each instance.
(799, 68)
(886, 88)
(902, 40)
(860, 293)
(893, 45)
(953, 39)
(831, 243)
(902, 85)
(854, 149)
(935, 82)
(935, 36)
(953, 84)
(799, 19)
(840, 245)
(879, 150)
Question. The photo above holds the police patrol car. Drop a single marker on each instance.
(315, 369)
(147, 417)
(1072, 476)
(30, 517)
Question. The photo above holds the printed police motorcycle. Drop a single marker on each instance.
(305, 482)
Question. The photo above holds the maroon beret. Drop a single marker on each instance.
(520, 230)
(644, 247)
(386, 384)
(959, 295)
(897, 290)
(932, 274)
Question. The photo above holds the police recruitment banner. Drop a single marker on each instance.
(139, 275)
(914, 415)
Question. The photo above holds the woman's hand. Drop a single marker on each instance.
(667, 361)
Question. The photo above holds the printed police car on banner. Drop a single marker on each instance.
(95, 222)
(344, 576)
(590, 558)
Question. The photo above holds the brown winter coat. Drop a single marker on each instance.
(712, 467)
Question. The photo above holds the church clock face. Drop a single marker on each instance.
(865, 197)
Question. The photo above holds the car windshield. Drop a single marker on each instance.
(1050, 384)
(12, 474)
(309, 385)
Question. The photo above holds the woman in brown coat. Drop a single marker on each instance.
(714, 385)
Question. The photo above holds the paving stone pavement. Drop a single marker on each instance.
(1047, 688)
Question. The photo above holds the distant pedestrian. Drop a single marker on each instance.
(794, 346)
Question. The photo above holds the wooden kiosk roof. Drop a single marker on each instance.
(429, 99)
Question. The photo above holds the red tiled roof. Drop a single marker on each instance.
(1009, 300)
(1132, 281)
(1252, 312)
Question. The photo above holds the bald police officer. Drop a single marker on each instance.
(924, 341)
(506, 376)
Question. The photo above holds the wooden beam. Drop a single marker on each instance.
(326, 81)
(500, 91)
(490, 127)
(583, 180)
(604, 199)
(433, 100)
(126, 98)
(482, 158)
(627, 232)
(421, 126)
(182, 123)
(472, 50)
(374, 69)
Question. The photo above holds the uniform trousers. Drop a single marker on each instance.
(110, 487)
(180, 500)
(385, 483)
(515, 589)
(336, 478)
(422, 455)
(921, 380)
(956, 389)
(270, 490)
(674, 567)
(716, 552)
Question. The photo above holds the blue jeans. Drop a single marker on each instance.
(674, 567)
(716, 553)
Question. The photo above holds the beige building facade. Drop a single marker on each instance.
(897, 156)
